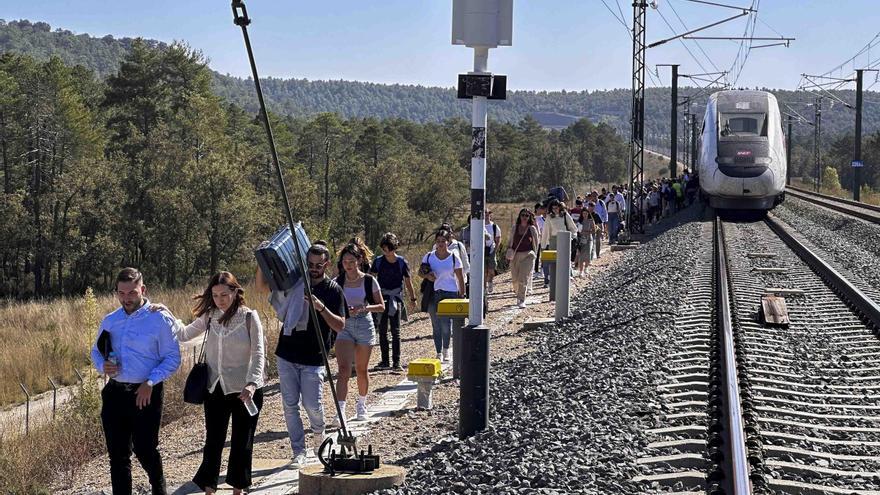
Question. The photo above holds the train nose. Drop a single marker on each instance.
(743, 159)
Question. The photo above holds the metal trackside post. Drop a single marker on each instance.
(54, 397)
(479, 120)
(481, 25)
(27, 409)
(473, 414)
(457, 328)
(857, 150)
(563, 274)
(788, 152)
(457, 310)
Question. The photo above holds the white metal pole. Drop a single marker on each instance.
(563, 274)
(478, 193)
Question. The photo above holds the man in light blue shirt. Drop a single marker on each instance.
(137, 349)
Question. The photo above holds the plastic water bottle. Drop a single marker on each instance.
(251, 407)
(113, 359)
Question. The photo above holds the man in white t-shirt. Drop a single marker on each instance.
(493, 238)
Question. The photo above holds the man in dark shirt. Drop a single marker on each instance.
(301, 368)
(392, 272)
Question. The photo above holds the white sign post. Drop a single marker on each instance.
(481, 25)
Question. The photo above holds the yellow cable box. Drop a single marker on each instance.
(424, 367)
(453, 307)
(548, 255)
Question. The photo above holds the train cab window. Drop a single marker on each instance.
(743, 124)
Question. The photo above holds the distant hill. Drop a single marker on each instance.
(298, 97)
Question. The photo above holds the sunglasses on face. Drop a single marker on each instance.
(316, 266)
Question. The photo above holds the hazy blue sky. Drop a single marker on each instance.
(558, 44)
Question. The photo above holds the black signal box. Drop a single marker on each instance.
(492, 86)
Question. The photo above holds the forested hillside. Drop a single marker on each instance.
(155, 164)
(352, 99)
(150, 168)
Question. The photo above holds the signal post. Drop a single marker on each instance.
(481, 25)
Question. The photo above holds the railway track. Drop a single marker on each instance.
(754, 408)
(870, 213)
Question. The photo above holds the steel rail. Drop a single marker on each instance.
(738, 470)
(858, 299)
(837, 204)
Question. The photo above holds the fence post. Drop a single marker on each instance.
(27, 409)
(54, 396)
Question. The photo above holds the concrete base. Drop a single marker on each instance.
(533, 323)
(314, 481)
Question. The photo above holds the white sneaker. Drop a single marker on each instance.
(299, 460)
(490, 288)
(446, 355)
(439, 356)
(521, 305)
(360, 410)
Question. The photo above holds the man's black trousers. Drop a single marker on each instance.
(128, 428)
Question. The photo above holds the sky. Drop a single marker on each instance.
(557, 44)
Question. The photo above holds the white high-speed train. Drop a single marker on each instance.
(742, 161)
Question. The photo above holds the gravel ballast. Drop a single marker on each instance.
(846, 242)
(569, 417)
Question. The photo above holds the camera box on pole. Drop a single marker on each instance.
(278, 261)
(486, 23)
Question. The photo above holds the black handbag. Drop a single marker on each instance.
(427, 288)
(195, 391)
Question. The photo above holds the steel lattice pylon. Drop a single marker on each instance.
(637, 140)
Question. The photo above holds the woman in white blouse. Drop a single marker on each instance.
(233, 338)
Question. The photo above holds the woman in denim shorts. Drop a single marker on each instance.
(355, 342)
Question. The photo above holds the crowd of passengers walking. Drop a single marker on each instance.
(362, 306)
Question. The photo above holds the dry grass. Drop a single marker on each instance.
(46, 339)
(50, 339)
(28, 464)
(867, 195)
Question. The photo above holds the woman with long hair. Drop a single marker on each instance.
(522, 251)
(442, 267)
(558, 221)
(588, 229)
(235, 354)
(355, 342)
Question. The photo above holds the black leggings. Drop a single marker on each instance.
(394, 322)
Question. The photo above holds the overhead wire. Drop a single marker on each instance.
(696, 42)
(622, 15)
(619, 19)
(682, 42)
(744, 50)
(626, 26)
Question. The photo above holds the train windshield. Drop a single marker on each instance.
(743, 124)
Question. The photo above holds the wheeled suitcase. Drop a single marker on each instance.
(277, 258)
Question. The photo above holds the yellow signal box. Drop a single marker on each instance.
(424, 368)
(548, 255)
(453, 308)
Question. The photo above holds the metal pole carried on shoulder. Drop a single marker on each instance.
(346, 441)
